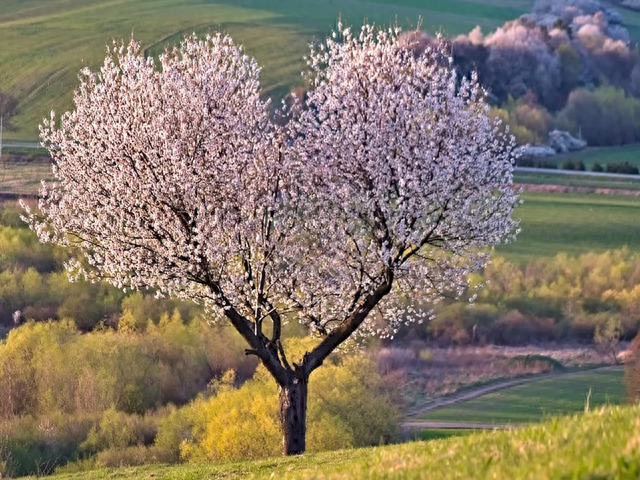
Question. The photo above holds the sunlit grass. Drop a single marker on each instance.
(601, 444)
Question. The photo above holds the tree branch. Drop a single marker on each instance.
(315, 358)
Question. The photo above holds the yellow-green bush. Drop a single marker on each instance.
(51, 367)
(565, 298)
(349, 406)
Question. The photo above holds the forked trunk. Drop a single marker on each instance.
(293, 416)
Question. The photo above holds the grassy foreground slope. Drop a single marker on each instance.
(534, 401)
(49, 41)
(598, 445)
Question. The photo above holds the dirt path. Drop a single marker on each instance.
(479, 392)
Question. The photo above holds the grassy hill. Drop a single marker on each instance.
(51, 40)
(598, 445)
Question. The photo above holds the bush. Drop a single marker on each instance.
(349, 406)
(573, 165)
(625, 168)
(118, 430)
(132, 456)
(514, 328)
(52, 367)
(528, 122)
(30, 446)
(536, 163)
(536, 362)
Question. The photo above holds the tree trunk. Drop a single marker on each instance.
(293, 416)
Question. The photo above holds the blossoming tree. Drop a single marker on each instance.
(376, 199)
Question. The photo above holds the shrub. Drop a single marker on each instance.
(396, 358)
(541, 363)
(426, 355)
(573, 165)
(132, 456)
(118, 430)
(514, 328)
(30, 446)
(625, 168)
(51, 367)
(350, 407)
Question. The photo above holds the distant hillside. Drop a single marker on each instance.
(46, 42)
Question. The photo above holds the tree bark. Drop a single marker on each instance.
(293, 415)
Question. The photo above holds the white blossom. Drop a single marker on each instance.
(382, 194)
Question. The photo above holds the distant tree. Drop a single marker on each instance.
(597, 167)
(632, 371)
(383, 192)
(604, 116)
(607, 338)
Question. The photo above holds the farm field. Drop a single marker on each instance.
(581, 181)
(51, 41)
(602, 444)
(534, 401)
(574, 224)
(23, 178)
(550, 222)
(628, 153)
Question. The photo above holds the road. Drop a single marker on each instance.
(10, 144)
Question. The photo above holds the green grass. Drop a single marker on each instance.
(534, 401)
(442, 433)
(50, 41)
(575, 224)
(599, 445)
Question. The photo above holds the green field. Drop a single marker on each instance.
(599, 445)
(50, 41)
(583, 181)
(550, 222)
(532, 402)
(628, 153)
(574, 224)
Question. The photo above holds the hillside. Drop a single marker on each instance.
(600, 444)
(51, 41)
